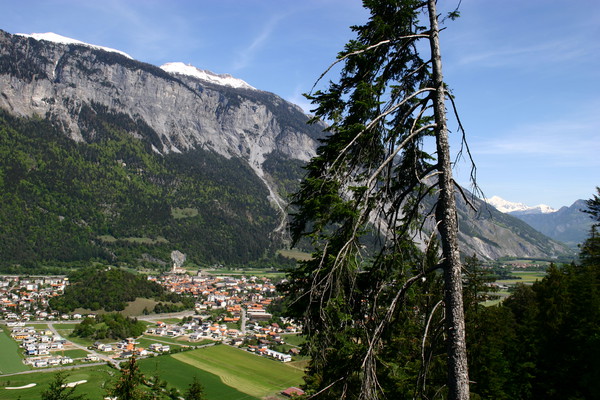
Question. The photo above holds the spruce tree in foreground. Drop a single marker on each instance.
(369, 288)
(195, 391)
(128, 385)
(58, 389)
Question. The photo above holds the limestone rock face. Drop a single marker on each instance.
(55, 80)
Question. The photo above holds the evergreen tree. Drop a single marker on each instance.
(590, 249)
(195, 391)
(58, 389)
(127, 387)
(361, 204)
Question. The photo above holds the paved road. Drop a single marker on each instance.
(243, 327)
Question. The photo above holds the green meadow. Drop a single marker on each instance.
(11, 360)
(251, 374)
(517, 277)
(180, 374)
(98, 379)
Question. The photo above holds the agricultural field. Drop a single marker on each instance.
(180, 374)
(248, 373)
(517, 277)
(295, 254)
(524, 277)
(11, 355)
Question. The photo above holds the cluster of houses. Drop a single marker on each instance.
(37, 343)
(25, 298)
(40, 346)
(53, 361)
(262, 335)
(130, 347)
(231, 294)
(243, 301)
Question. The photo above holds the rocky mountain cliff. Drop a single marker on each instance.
(186, 120)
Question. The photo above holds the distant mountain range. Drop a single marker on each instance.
(103, 157)
(569, 225)
(506, 206)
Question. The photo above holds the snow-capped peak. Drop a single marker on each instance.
(219, 79)
(506, 206)
(53, 37)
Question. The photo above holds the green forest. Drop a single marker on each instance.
(109, 289)
(109, 326)
(114, 200)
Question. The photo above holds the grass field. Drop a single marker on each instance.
(146, 341)
(522, 277)
(293, 339)
(75, 353)
(295, 254)
(180, 374)
(98, 379)
(137, 307)
(251, 374)
(11, 360)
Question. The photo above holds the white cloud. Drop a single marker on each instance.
(548, 53)
(247, 54)
(571, 141)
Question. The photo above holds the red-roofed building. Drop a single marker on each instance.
(292, 392)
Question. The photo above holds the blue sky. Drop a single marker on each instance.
(526, 74)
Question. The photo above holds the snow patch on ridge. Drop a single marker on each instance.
(55, 38)
(506, 206)
(219, 79)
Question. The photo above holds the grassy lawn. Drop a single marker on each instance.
(66, 326)
(254, 375)
(528, 277)
(146, 341)
(87, 341)
(98, 379)
(137, 307)
(294, 339)
(180, 374)
(295, 254)
(12, 360)
(518, 277)
(75, 353)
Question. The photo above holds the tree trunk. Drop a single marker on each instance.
(458, 374)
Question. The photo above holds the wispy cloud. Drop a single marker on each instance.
(247, 54)
(557, 51)
(573, 141)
